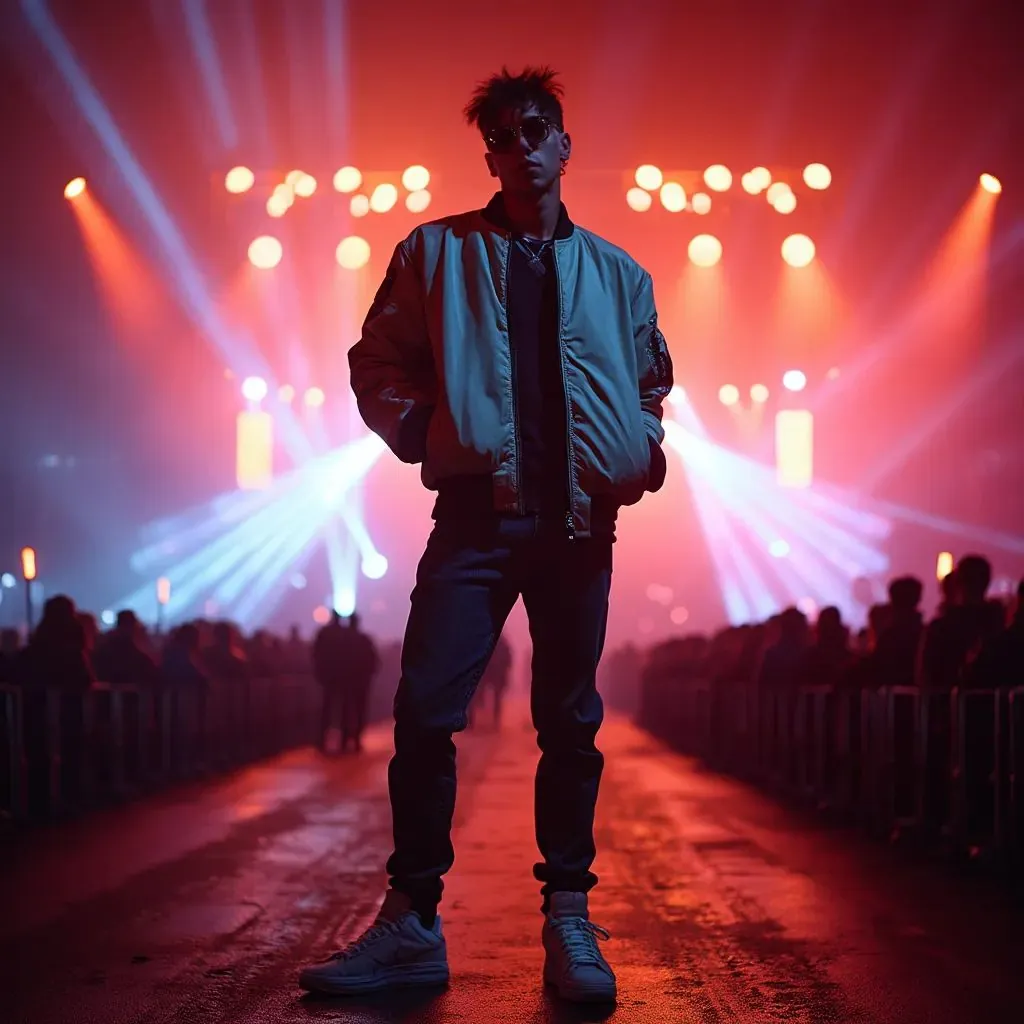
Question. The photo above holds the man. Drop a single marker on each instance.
(361, 663)
(329, 656)
(494, 682)
(517, 357)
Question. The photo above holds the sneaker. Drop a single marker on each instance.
(573, 963)
(396, 951)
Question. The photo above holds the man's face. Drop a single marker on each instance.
(526, 151)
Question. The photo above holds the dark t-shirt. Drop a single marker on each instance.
(539, 387)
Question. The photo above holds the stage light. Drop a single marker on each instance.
(718, 178)
(374, 566)
(353, 253)
(728, 394)
(314, 398)
(704, 250)
(254, 451)
(7, 581)
(28, 564)
(359, 205)
(679, 615)
(639, 200)
(760, 178)
(649, 177)
(833, 373)
(794, 448)
(239, 180)
(321, 615)
(418, 201)
(74, 188)
(278, 205)
(348, 179)
(292, 178)
(989, 182)
(748, 184)
(776, 190)
(778, 549)
(673, 198)
(265, 252)
(163, 590)
(798, 251)
(785, 203)
(759, 393)
(107, 617)
(285, 393)
(415, 178)
(384, 196)
(701, 203)
(794, 380)
(943, 565)
(254, 389)
(817, 176)
(677, 395)
(305, 186)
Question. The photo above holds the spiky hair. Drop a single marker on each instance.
(532, 87)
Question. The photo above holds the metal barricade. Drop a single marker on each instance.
(1015, 774)
(978, 771)
(12, 754)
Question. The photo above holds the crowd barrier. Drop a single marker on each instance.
(945, 767)
(63, 752)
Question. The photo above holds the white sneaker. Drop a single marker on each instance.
(573, 963)
(396, 951)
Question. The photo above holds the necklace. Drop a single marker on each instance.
(535, 256)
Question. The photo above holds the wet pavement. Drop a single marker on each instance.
(201, 904)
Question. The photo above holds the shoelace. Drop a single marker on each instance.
(579, 939)
(372, 934)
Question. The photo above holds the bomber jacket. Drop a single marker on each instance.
(434, 373)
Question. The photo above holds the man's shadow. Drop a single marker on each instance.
(432, 1006)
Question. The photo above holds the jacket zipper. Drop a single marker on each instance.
(570, 518)
(520, 509)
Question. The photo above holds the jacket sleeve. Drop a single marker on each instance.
(391, 367)
(654, 374)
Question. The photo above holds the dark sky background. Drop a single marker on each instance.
(907, 101)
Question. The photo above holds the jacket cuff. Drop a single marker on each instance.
(659, 466)
(412, 434)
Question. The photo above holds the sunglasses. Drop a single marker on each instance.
(533, 129)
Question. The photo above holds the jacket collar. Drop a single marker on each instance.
(494, 212)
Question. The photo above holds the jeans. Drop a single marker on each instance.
(466, 585)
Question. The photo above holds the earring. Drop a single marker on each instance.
(561, 170)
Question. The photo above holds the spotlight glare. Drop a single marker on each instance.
(989, 182)
(943, 565)
(285, 393)
(7, 581)
(718, 178)
(649, 177)
(353, 253)
(817, 176)
(639, 200)
(679, 615)
(704, 250)
(384, 196)
(265, 252)
(374, 566)
(794, 380)
(315, 398)
(292, 178)
(728, 394)
(759, 393)
(278, 205)
(677, 396)
(785, 203)
(254, 389)
(359, 205)
(760, 178)
(417, 201)
(74, 188)
(305, 186)
(321, 615)
(348, 179)
(778, 549)
(776, 191)
(239, 180)
(701, 203)
(798, 251)
(673, 198)
(415, 178)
